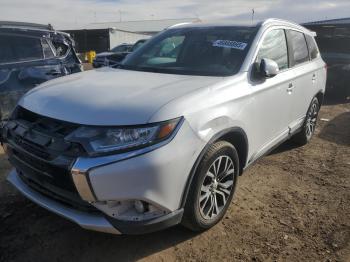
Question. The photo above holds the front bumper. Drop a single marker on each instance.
(95, 221)
(156, 176)
(85, 220)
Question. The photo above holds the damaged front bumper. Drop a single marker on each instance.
(85, 220)
(135, 192)
(94, 221)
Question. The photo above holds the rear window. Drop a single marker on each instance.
(313, 50)
(299, 47)
(6, 50)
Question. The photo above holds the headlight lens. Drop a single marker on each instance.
(104, 140)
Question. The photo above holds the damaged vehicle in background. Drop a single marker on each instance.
(114, 57)
(31, 54)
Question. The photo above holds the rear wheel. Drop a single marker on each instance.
(309, 127)
(212, 187)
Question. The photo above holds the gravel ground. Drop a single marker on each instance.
(293, 205)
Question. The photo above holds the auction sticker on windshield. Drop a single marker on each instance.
(230, 44)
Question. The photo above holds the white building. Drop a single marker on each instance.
(104, 36)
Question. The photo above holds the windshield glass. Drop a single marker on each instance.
(213, 51)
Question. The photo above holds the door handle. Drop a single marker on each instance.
(313, 77)
(290, 88)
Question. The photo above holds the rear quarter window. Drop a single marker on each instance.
(300, 53)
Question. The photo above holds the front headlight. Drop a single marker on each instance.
(104, 140)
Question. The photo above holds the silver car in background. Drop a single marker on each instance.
(163, 138)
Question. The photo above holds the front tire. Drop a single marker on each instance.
(309, 126)
(212, 187)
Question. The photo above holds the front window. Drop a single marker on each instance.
(214, 51)
(274, 47)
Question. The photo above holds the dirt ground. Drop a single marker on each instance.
(293, 205)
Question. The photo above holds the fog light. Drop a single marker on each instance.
(140, 206)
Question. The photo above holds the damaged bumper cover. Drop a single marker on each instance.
(94, 221)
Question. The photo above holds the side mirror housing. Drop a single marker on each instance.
(268, 68)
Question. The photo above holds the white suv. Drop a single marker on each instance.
(162, 139)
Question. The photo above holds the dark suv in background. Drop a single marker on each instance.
(31, 54)
(333, 40)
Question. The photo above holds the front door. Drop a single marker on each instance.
(272, 100)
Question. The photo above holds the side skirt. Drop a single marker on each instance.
(289, 136)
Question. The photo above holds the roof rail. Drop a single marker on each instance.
(24, 25)
(179, 24)
(286, 22)
(271, 20)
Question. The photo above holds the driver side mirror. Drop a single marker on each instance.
(268, 68)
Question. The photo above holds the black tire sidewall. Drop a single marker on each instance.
(192, 205)
(301, 137)
(314, 100)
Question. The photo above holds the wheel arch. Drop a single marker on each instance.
(235, 136)
(320, 97)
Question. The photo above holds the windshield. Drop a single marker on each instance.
(214, 51)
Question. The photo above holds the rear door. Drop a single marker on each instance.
(305, 77)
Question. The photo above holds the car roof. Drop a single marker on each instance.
(29, 29)
(257, 24)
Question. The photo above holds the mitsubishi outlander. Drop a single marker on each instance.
(162, 138)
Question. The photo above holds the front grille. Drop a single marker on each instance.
(42, 171)
(67, 199)
(40, 153)
(30, 147)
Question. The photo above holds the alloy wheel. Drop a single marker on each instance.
(217, 187)
(311, 120)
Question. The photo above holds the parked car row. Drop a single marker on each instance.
(31, 54)
(116, 55)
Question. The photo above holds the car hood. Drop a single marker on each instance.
(110, 96)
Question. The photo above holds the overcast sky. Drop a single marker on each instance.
(71, 13)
